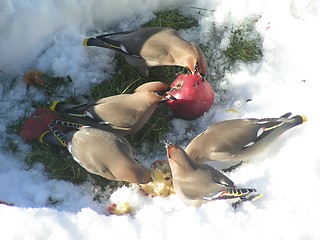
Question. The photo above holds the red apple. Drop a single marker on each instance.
(37, 124)
(192, 96)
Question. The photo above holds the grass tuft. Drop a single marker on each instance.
(172, 19)
(245, 43)
(15, 126)
(58, 163)
(230, 44)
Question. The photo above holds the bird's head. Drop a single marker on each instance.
(200, 65)
(177, 156)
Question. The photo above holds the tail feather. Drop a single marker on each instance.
(62, 107)
(68, 124)
(110, 43)
(113, 34)
(94, 42)
(49, 138)
(243, 194)
(299, 119)
(62, 138)
(286, 115)
(285, 118)
(276, 125)
(103, 42)
(237, 192)
(107, 41)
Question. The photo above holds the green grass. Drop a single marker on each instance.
(15, 126)
(173, 19)
(10, 145)
(58, 163)
(245, 43)
(243, 46)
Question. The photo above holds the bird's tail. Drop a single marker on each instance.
(50, 138)
(299, 119)
(60, 107)
(62, 137)
(110, 41)
(104, 42)
(243, 194)
(74, 110)
(277, 126)
(94, 42)
(272, 123)
(55, 136)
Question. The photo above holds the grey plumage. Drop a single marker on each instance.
(228, 143)
(197, 183)
(153, 46)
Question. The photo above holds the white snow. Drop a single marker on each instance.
(47, 35)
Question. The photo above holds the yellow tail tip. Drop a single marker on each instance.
(85, 42)
(304, 118)
(42, 136)
(53, 105)
(257, 197)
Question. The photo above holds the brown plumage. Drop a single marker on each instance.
(123, 114)
(100, 152)
(227, 144)
(153, 46)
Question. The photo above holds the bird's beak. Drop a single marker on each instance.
(197, 73)
(167, 144)
(203, 77)
(168, 96)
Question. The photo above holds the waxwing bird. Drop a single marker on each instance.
(153, 46)
(100, 152)
(122, 114)
(227, 144)
(197, 183)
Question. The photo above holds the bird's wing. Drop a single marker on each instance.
(231, 193)
(121, 43)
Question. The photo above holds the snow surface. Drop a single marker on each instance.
(47, 35)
